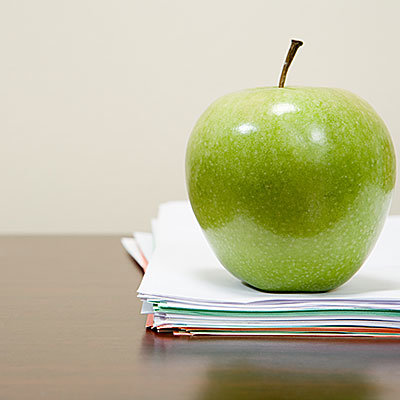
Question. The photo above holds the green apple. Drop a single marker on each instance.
(291, 185)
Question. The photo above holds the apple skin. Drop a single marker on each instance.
(291, 186)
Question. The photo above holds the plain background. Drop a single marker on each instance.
(97, 98)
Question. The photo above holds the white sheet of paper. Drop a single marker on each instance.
(131, 246)
(145, 242)
(183, 267)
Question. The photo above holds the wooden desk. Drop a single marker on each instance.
(70, 328)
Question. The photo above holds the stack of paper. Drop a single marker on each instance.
(189, 292)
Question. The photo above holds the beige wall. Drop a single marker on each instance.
(97, 98)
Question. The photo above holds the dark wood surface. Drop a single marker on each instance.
(70, 328)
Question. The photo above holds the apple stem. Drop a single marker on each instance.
(289, 58)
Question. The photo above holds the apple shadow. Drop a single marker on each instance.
(251, 380)
(359, 284)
